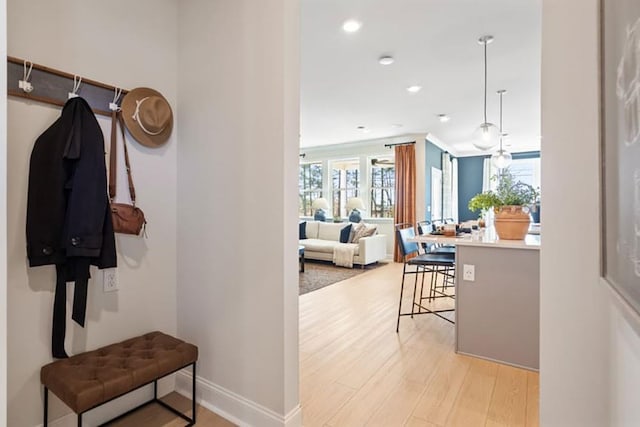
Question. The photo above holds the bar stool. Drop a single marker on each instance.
(435, 264)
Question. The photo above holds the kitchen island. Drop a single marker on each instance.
(497, 315)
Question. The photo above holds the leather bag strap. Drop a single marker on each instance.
(113, 162)
(132, 188)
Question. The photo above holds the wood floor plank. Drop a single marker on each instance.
(371, 362)
(318, 410)
(373, 393)
(397, 407)
(533, 399)
(358, 336)
(155, 415)
(322, 378)
(472, 405)
(509, 401)
(404, 373)
(417, 422)
(439, 397)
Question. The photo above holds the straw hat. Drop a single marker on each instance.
(148, 117)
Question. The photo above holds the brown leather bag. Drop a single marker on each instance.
(127, 218)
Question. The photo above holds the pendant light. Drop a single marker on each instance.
(487, 134)
(502, 158)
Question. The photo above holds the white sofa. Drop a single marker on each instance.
(322, 237)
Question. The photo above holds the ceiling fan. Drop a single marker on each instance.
(382, 163)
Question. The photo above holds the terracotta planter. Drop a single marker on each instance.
(512, 222)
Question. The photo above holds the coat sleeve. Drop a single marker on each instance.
(87, 184)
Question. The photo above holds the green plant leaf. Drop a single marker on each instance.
(509, 192)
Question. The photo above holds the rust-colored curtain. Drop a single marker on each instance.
(405, 190)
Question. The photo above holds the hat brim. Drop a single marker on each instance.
(129, 107)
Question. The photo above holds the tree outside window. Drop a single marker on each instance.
(527, 171)
(383, 188)
(310, 186)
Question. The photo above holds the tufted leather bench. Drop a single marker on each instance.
(90, 379)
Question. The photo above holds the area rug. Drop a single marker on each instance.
(318, 274)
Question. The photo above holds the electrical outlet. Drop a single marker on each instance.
(110, 280)
(469, 272)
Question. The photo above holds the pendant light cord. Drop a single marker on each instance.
(501, 93)
(485, 81)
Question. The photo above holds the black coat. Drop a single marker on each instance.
(68, 212)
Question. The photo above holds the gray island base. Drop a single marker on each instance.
(498, 312)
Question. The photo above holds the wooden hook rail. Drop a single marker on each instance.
(52, 86)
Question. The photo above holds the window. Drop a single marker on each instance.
(383, 188)
(338, 177)
(345, 184)
(310, 186)
(527, 171)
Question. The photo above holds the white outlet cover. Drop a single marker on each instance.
(469, 272)
(110, 280)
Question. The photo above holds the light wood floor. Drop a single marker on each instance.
(355, 370)
(155, 415)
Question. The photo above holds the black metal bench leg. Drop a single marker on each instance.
(193, 394)
(46, 407)
(79, 420)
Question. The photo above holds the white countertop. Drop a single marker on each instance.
(488, 238)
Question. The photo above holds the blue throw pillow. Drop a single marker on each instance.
(302, 230)
(345, 233)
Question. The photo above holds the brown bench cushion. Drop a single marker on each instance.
(89, 379)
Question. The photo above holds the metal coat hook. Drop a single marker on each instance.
(25, 84)
(52, 86)
(113, 106)
(77, 80)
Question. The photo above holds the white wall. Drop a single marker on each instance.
(590, 352)
(3, 217)
(237, 198)
(127, 44)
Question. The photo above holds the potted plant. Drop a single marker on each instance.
(483, 202)
(510, 202)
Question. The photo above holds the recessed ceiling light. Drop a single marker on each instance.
(386, 60)
(414, 89)
(443, 118)
(396, 125)
(351, 26)
(363, 129)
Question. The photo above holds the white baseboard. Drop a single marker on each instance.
(235, 408)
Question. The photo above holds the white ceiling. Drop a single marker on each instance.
(434, 43)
